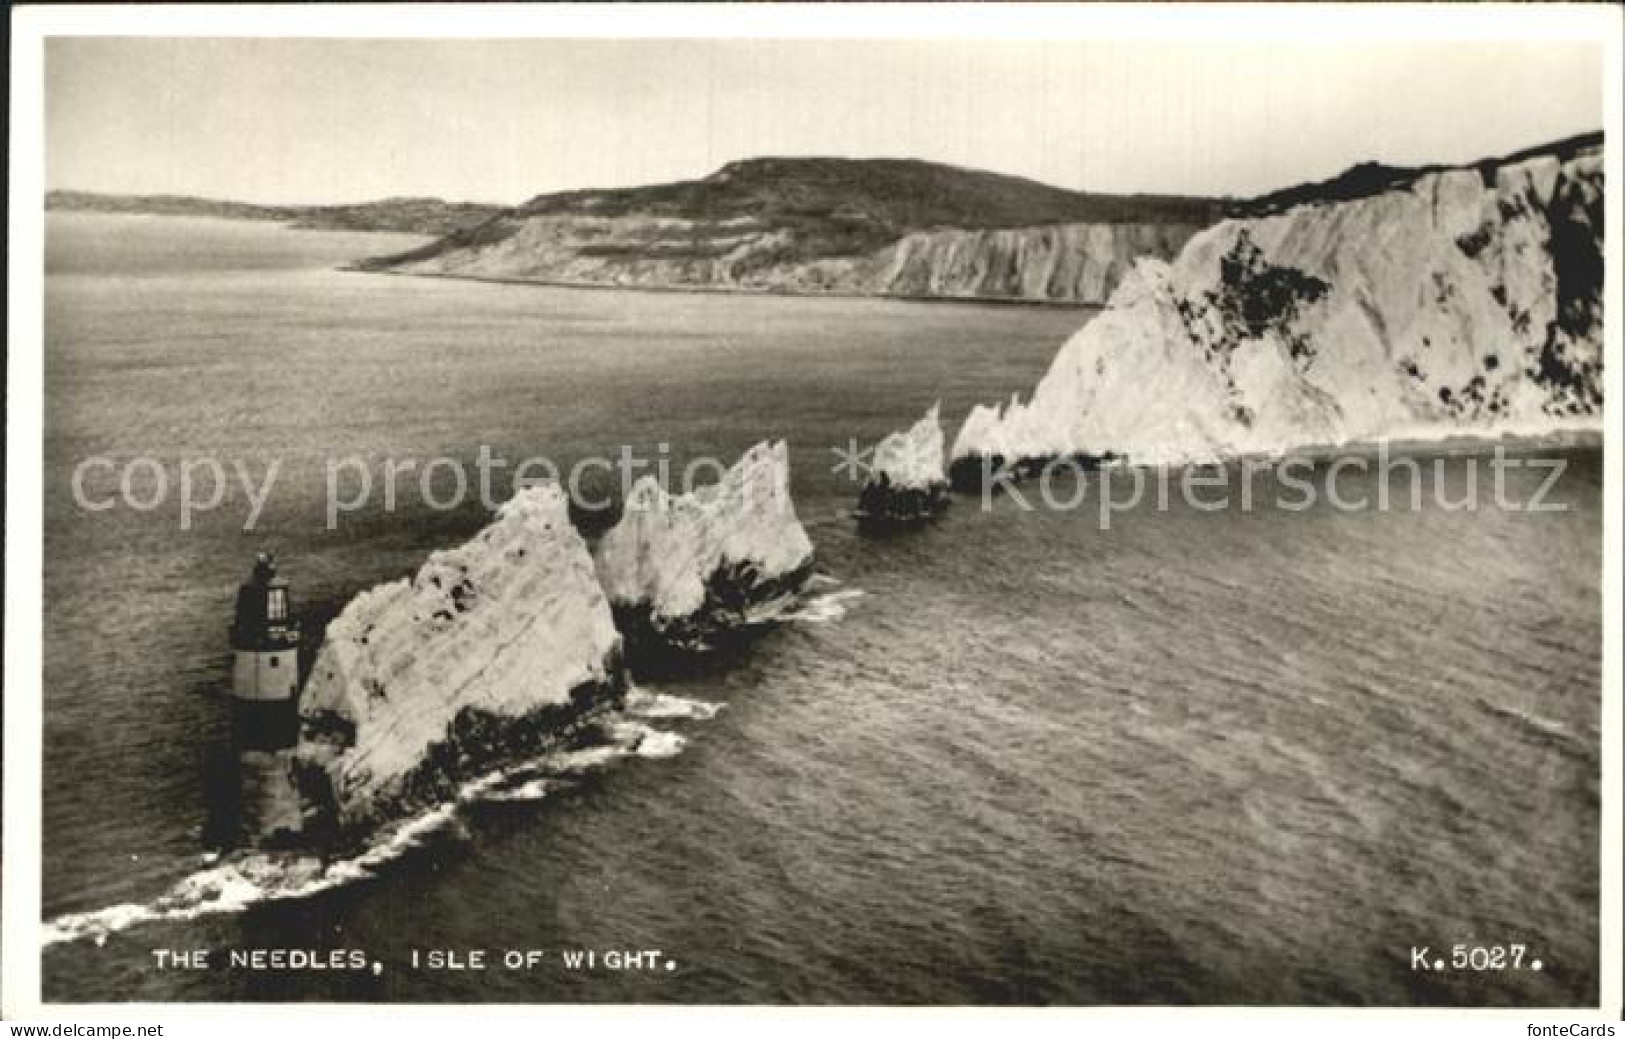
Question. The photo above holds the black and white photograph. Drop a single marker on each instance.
(1052, 507)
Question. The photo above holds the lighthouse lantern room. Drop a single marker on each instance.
(265, 664)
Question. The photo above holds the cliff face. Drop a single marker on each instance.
(1073, 263)
(1458, 301)
(867, 227)
(420, 681)
(682, 570)
(634, 250)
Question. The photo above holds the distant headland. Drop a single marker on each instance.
(899, 228)
(425, 216)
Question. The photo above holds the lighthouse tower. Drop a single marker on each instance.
(265, 665)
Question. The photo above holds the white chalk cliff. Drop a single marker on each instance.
(1072, 263)
(1068, 263)
(680, 569)
(510, 626)
(1464, 301)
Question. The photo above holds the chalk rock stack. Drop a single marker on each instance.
(907, 483)
(1461, 301)
(488, 651)
(682, 570)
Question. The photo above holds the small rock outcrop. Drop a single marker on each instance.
(907, 484)
(1460, 301)
(683, 570)
(488, 652)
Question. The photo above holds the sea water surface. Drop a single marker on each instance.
(1210, 757)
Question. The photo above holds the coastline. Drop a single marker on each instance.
(723, 290)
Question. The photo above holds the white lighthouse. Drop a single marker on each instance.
(265, 664)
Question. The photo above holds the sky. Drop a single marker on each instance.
(308, 120)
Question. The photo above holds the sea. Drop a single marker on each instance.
(1020, 756)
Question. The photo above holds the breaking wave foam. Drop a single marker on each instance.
(646, 741)
(822, 608)
(1536, 725)
(658, 706)
(239, 881)
(249, 879)
(821, 599)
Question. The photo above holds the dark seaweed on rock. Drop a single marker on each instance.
(738, 602)
(1256, 297)
(477, 742)
(880, 505)
(972, 474)
(1576, 215)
